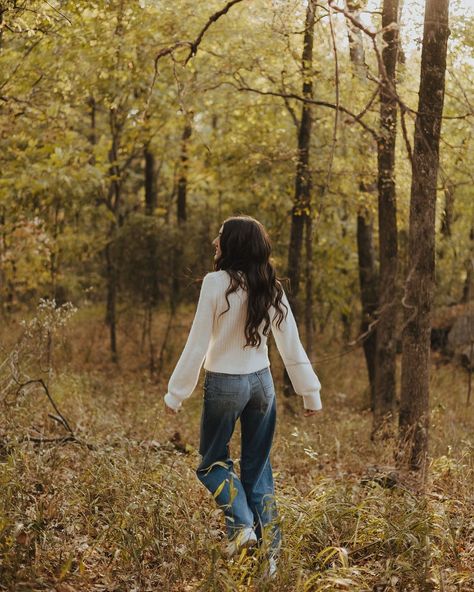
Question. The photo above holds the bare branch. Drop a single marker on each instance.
(243, 86)
(216, 16)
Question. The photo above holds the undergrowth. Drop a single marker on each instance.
(113, 503)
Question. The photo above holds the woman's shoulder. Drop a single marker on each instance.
(215, 278)
(216, 275)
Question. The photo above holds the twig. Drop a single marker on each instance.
(193, 47)
(216, 16)
(51, 400)
(59, 12)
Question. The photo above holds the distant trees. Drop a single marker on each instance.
(118, 166)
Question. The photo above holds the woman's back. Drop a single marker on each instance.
(227, 351)
(218, 340)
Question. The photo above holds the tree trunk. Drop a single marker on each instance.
(309, 284)
(92, 132)
(302, 198)
(150, 181)
(301, 210)
(356, 43)
(447, 218)
(181, 213)
(183, 174)
(365, 249)
(468, 288)
(385, 367)
(368, 295)
(414, 408)
(113, 203)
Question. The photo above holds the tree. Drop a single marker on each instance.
(365, 248)
(302, 197)
(301, 211)
(385, 381)
(419, 287)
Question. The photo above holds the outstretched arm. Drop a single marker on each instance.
(297, 364)
(185, 376)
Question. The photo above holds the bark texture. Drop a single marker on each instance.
(302, 196)
(414, 408)
(301, 211)
(385, 382)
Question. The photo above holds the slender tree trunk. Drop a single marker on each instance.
(309, 285)
(468, 289)
(447, 218)
(114, 198)
(93, 126)
(151, 198)
(152, 289)
(368, 294)
(356, 43)
(301, 210)
(181, 212)
(114, 203)
(302, 198)
(365, 249)
(401, 52)
(385, 368)
(183, 174)
(414, 408)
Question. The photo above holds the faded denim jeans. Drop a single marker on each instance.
(248, 501)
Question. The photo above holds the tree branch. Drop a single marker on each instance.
(243, 86)
(216, 16)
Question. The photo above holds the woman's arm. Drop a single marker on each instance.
(297, 364)
(185, 376)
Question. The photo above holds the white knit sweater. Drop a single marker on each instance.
(219, 341)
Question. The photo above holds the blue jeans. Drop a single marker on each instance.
(248, 501)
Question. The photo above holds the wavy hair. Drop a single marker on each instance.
(245, 255)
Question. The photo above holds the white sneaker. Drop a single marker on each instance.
(245, 538)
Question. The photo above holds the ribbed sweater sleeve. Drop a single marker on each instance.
(297, 364)
(185, 376)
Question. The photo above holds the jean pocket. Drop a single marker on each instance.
(269, 391)
(266, 381)
(220, 384)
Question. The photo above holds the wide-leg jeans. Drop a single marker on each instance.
(250, 499)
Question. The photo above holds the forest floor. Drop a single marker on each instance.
(122, 509)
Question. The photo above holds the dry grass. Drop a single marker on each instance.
(121, 508)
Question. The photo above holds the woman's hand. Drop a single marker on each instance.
(309, 412)
(169, 410)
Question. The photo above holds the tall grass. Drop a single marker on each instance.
(119, 507)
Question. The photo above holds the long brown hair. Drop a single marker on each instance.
(245, 255)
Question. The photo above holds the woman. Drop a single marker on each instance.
(240, 302)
